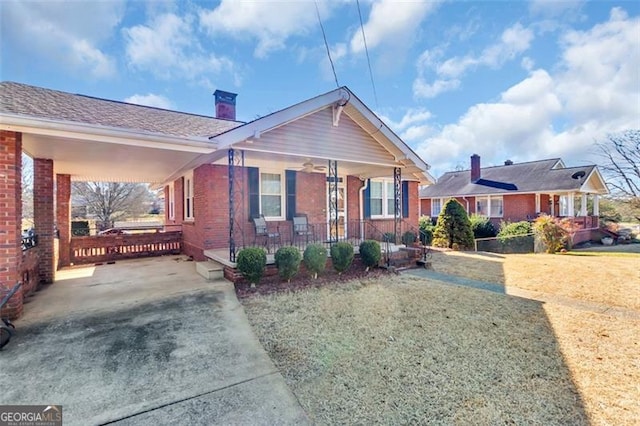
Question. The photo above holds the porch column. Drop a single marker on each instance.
(537, 203)
(43, 216)
(236, 199)
(397, 203)
(583, 205)
(552, 203)
(571, 204)
(63, 219)
(332, 173)
(596, 205)
(10, 219)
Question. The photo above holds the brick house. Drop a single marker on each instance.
(329, 157)
(520, 191)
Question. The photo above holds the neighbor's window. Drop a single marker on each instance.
(271, 195)
(172, 201)
(489, 206)
(436, 206)
(382, 199)
(188, 197)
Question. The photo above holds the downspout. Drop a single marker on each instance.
(361, 198)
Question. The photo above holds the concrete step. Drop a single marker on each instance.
(210, 270)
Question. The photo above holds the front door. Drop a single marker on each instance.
(342, 210)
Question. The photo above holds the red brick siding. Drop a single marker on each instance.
(517, 207)
(425, 206)
(414, 200)
(43, 216)
(10, 218)
(311, 196)
(63, 218)
(353, 205)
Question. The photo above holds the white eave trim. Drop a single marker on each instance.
(105, 134)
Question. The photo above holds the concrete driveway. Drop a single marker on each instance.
(143, 342)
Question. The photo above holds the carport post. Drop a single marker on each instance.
(10, 219)
(43, 216)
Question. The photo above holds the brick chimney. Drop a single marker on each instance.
(475, 168)
(508, 163)
(225, 104)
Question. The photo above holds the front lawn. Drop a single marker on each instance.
(408, 350)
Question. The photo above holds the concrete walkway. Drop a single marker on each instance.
(144, 342)
(582, 305)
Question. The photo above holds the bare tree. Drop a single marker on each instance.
(110, 201)
(621, 154)
(27, 188)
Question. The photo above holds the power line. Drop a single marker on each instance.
(324, 36)
(366, 49)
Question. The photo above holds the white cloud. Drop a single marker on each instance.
(391, 22)
(68, 34)
(150, 99)
(413, 127)
(271, 24)
(553, 7)
(513, 41)
(593, 91)
(168, 47)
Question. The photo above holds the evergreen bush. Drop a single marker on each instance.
(453, 229)
(341, 256)
(251, 262)
(315, 259)
(482, 226)
(408, 238)
(513, 229)
(370, 253)
(426, 230)
(288, 262)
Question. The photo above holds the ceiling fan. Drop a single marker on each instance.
(308, 167)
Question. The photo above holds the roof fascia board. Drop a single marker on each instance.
(554, 192)
(73, 130)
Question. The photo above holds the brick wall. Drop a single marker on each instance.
(353, 204)
(414, 200)
(311, 196)
(518, 206)
(10, 219)
(63, 218)
(425, 206)
(43, 216)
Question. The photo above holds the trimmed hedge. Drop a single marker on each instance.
(288, 262)
(315, 259)
(251, 262)
(370, 253)
(482, 226)
(341, 256)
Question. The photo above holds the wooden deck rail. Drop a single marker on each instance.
(106, 248)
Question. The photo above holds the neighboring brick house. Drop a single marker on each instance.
(520, 191)
(216, 172)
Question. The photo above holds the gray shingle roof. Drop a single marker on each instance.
(31, 101)
(519, 177)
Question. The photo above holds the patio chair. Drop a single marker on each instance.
(262, 232)
(302, 228)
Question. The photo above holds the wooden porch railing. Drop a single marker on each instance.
(585, 222)
(106, 248)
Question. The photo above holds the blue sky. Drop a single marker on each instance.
(518, 80)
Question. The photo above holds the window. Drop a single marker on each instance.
(271, 195)
(188, 197)
(172, 201)
(490, 206)
(382, 200)
(564, 205)
(436, 206)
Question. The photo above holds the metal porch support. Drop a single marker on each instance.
(236, 200)
(332, 178)
(397, 203)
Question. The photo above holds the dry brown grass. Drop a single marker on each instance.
(409, 350)
(611, 278)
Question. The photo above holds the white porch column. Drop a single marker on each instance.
(583, 204)
(537, 203)
(570, 204)
(552, 200)
(596, 205)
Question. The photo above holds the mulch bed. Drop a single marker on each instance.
(274, 284)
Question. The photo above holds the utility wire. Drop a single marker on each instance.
(324, 36)
(366, 49)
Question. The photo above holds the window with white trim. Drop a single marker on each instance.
(172, 202)
(272, 195)
(491, 206)
(188, 197)
(436, 206)
(382, 200)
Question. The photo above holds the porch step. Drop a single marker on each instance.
(210, 270)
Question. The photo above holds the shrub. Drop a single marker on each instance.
(251, 263)
(288, 262)
(389, 236)
(426, 230)
(453, 229)
(315, 259)
(482, 227)
(408, 238)
(370, 253)
(513, 229)
(552, 232)
(341, 256)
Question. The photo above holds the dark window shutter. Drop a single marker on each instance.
(254, 192)
(290, 179)
(367, 200)
(405, 198)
